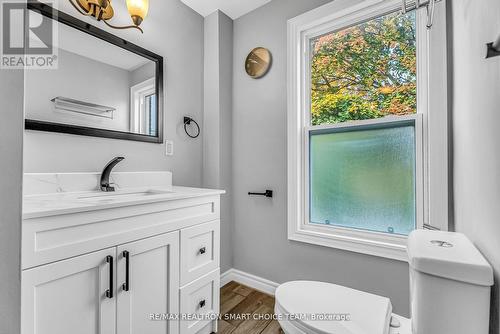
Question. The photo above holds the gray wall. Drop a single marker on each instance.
(217, 134)
(260, 239)
(226, 138)
(176, 32)
(211, 103)
(11, 146)
(143, 73)
(476, 101)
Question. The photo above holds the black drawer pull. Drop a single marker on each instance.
(202, 303)
(126, 285)
(109, 292)
(203, 250)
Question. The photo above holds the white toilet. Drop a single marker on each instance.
(450, 284)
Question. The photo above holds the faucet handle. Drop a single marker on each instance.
(108, 187)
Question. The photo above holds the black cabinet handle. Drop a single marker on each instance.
(202, 303)
(126, 285)
(203, 250)
(109, 292)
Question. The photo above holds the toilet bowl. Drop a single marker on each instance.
(450, 284)
(324, 308)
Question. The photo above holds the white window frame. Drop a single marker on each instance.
(138, 94)
(431, 126)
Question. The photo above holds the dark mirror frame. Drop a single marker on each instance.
(87, 28)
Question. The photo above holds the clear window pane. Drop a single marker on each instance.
(365, 71)
(151, 114)
(364, 178)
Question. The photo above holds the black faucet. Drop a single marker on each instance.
(105, 185)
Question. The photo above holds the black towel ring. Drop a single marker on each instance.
(187, 121)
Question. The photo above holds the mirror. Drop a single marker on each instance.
(103, 86)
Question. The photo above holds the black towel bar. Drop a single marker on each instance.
(268, 193)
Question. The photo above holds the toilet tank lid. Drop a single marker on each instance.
(449, 255)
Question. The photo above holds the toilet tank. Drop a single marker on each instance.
(450, 284)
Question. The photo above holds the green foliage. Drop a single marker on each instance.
(366, 71)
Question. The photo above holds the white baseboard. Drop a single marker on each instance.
(252, 281)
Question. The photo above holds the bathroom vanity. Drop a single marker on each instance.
(142, 259)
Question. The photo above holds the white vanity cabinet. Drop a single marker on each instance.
(69, 296)
(128, 269)
(151, 286)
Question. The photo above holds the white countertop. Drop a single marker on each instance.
(45, 205)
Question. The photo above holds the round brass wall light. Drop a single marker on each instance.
(258, 62)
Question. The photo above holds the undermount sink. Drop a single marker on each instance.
(112, 196)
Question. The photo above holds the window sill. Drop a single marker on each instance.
(370, 243)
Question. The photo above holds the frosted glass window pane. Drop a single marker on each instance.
(364, 178)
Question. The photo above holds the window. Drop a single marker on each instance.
(360, 172)
(143, 118)
(150, 114)
(365, 71)
(364, 178)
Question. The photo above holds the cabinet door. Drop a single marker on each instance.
(152, 289)
(70, 296)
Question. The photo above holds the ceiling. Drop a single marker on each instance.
(233, 8)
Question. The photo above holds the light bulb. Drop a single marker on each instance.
(138, 9)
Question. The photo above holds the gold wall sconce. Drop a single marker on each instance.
(102, 10)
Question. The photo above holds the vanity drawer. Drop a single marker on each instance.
(199, 303)
(200, 248)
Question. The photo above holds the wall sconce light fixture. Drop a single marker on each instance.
(102, 10)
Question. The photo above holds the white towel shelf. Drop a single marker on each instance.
(71, 105)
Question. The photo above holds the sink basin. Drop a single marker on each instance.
(114, 196)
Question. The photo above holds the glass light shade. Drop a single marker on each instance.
(138, 8)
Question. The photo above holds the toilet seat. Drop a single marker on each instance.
(324, 308)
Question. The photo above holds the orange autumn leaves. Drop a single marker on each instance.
(365, 71)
